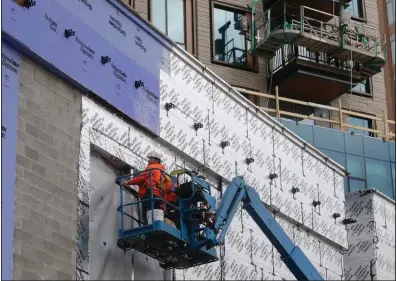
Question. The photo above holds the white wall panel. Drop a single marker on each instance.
(249, 254)
(372, 238)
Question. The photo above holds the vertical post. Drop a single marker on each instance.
(269, 16)
(386, 125)
(340, 115)
(285, 15)
(302, 20)
(253, 25)
(277, 104)
(341, 25)
(121, 211)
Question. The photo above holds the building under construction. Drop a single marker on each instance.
(290, 95)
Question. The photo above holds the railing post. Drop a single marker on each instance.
(277, 104)
(285, 15)
(302, 20)
(283, 55)
(121, 211)
(340, 115)
(386, 125)
(253, 26)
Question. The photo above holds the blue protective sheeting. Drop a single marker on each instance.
(79, 57)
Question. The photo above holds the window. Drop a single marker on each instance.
(391, 15)
(379, 176)
(230, 43)
(356, 9)
(364, 87)
(355, 166)
(356, 184)
(360, 122)
(175, 19)
(393, 47)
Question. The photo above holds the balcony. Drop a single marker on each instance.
(310, 76)
(313, 60)
(355, 42)
(329, 7)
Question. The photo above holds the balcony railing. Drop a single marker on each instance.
(290, 51)
(300, 20)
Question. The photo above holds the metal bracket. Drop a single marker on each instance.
(316, 203)
(105, 60)
(224, 144)
(169, 105)
(295, 190)
(335, 215)
(69, 33)
(249, 160)
(349, 221)
(197, 126)
(139, 84)
(29, 3)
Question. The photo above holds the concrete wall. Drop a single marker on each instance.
(46, 184)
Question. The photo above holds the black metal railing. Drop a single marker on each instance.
(289, 52)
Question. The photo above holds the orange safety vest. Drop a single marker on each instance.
(143, 180)
(165, 184)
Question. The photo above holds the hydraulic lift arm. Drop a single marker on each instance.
(202, 225)
(238, 192)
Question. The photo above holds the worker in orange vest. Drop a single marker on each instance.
(170, 196)
(144, 181)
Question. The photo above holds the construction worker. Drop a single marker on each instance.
(170, 196)
(144, 181)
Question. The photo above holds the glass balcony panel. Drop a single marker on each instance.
(355, 184)
(329, 139)
(376, 148)
(355, 166)
(379, 176)
(354, 144)
(338, 157)
(392, 149)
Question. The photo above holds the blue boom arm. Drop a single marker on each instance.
(291, 254)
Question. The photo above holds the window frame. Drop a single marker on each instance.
(393, 4)
(361, 5)
(371, 124)
(190, 23)
(393, 55)
(230, 7)
(364, 94)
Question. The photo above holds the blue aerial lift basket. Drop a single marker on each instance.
(173, 247)
(201, 225)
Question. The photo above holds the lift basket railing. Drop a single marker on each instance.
(151, 201)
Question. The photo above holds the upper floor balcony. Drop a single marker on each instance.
(330, 8)
(306, 54)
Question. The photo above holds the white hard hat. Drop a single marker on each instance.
(154, 154)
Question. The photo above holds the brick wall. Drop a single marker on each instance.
(377, 104)
(46, 184)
